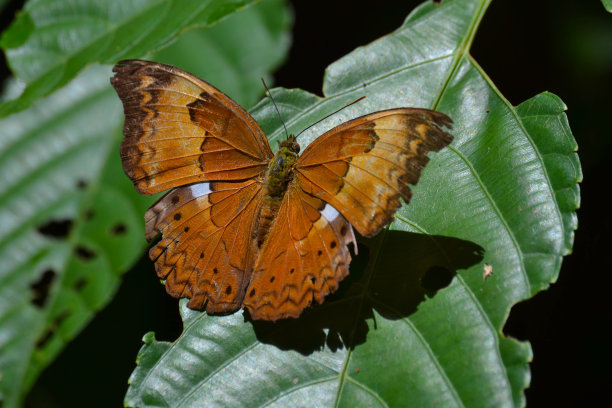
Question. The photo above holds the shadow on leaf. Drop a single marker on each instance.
(391, 279)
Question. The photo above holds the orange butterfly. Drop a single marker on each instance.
(242, 226)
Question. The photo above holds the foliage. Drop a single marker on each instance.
(503, 195)
(71, 221)
(415, 321)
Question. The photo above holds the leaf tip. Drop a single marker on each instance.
(148, 338)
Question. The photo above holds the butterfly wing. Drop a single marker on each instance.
(207, 247)
(303, 259)
(181, 130)
(364, 166)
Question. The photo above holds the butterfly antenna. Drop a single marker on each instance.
(333, 113)
(274, 102)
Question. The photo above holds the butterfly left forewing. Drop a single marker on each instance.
(180, 130)
(303, 259)
(363, 167)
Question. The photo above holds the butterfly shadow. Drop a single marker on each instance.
(392, 279)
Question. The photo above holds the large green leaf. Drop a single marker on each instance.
(72, 222)
(226, 60)
(503, 195)
(52, 40)
(608, 5)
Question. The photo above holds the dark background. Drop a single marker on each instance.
(526, 47)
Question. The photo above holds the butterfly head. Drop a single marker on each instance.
(291, 144)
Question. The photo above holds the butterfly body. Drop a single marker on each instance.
(241, 226)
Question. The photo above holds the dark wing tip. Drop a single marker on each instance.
(443, 120)
(120, 65)
(440, 137)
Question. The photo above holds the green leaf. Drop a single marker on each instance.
(51, 159)
(229, 62)
(503, 195)
(72, 222)
(608, 5)
(52, 40)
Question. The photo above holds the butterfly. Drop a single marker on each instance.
(242, 226)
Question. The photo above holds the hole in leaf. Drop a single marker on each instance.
(89, 214)
(56, 228)
(228, 290)
(78, 285)
(44, 338)
(119, 229)
(84, 253)
(52, 329)
(81, 184)
(41, 288)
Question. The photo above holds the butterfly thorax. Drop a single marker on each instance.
(280, 169)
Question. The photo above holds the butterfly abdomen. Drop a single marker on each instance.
(267, 214)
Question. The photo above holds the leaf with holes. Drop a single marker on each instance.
(52, 40)
(71, 220)
(420, 317)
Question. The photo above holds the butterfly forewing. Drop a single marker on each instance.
(180, 130)
(363, 167)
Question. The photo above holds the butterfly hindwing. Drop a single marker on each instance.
(181, 130)
(206, 250)
(303, 259)
(364, 166)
